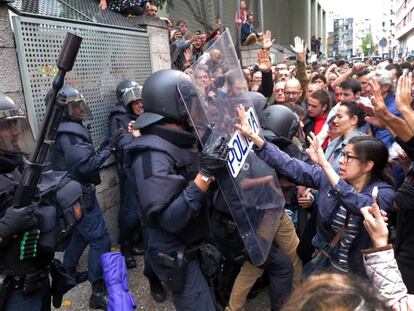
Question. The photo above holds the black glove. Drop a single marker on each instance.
(17, 220)
(214, 157)
(114, 139)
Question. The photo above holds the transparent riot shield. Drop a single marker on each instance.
(249, 186)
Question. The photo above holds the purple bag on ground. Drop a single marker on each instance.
(116, 281)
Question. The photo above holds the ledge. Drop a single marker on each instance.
(145, 21)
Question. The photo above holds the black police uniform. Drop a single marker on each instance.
(129, 216)
(164, 163)
(73, 151)
(29, 236)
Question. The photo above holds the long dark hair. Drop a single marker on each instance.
(353, 110)
(368, 148)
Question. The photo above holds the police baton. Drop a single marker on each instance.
(26, 189)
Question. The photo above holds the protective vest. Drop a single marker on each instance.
(81, 150)
(185, 164)
(57, 214)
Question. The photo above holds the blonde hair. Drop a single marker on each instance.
(333, 292)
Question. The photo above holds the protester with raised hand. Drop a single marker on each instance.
(340, 236)
(300, 49)
(380, 263)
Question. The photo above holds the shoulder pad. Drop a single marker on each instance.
(51, 180)
(69, 193)
(75, 129)
(156, 143)
(117, 110)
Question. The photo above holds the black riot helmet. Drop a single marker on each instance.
(77, 109)
(163, 96)
(15, 134)
(128, 91)
(280, 121)
(257, 100)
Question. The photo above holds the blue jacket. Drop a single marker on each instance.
(119, 118)
(73, 152)
(381, 133)
(330, 197)
(246, 30)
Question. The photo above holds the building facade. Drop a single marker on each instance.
(404, 28)
(343, 37)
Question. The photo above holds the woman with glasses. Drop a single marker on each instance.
(344, 127)
(340, 234)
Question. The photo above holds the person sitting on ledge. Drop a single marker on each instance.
(248, 34)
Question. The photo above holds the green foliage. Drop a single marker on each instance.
(368, 46)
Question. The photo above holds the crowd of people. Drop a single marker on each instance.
(339, 137)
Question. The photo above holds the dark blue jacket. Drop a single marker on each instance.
(173, 205)
(119, 118)
(73, 152)
(381, 133)
(246, 30)
(329, 198)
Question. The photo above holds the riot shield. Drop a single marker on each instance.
(249, 186)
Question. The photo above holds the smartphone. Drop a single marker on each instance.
(374, 195)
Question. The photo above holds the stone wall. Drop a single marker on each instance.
(10, 82)
(159, 41)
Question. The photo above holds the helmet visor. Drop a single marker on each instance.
(79, 110)
(16, 136)
(131, 94)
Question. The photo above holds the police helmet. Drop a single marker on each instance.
(128, 91)
(280, 121)
(257, 100)
(77, 109)
(15, 133)
(163, 96)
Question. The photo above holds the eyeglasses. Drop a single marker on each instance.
(347, 157)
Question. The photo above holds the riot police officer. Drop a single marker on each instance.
(172, 188)
(73, 152)
(29, 236)
(15, 141)
(128, 108)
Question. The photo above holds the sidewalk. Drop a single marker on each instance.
(78, 298)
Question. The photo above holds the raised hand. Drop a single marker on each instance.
(315, 150)
(299, 49)
(245, 129)
(403, 93)
(358, 67)
(263, 60)
(267, 40)
(103, 5)
(187, 56)
(375, 225)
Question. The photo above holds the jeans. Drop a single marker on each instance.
(91, 230)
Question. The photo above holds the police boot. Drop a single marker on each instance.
(126, 251)
(138, 245)
(157, 290)
(98, 299)
(80, 277)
